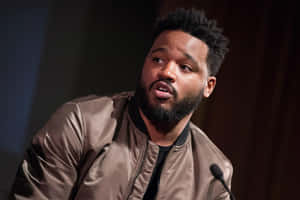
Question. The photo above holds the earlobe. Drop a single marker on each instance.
(209, 86)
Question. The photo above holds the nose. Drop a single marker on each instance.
(168, 71)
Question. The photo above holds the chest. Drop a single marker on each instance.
(124, 170)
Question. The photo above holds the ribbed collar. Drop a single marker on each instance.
(139, 123)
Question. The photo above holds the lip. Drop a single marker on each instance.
(162, 90)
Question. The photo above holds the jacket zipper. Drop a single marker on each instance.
(139, 171)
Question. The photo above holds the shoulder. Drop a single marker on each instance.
(95, 103)
(82, 123)
(96, 111)
(211, 153)
(99, 116)
(92, 106)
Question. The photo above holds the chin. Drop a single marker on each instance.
(164, 103)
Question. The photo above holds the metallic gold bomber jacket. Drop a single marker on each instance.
(91, 149)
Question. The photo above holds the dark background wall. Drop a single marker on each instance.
(22, 35)
(53, 51)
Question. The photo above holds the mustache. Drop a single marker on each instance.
(168, 82)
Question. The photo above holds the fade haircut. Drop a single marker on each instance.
(195, 23)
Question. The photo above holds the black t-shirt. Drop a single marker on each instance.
(154, 182)
(163, 151)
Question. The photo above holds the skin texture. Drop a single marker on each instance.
(175, 75)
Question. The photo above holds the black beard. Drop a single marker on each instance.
(163, 119)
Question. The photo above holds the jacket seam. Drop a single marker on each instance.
(138, 171)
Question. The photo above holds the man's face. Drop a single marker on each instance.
(174, 77)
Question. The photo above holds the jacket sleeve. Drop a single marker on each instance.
(49, 167)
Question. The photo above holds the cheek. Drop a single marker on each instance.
(192, 87)
(147, 75)
(144, 76)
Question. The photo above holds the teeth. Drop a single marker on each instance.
(162, 89)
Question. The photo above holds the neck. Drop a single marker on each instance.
(163, 138)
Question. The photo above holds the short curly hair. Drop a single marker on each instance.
(195, 22)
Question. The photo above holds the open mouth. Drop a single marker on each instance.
(162, 90)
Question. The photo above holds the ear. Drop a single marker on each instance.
(209, 86)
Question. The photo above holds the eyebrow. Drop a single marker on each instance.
(191, 59)
(188, 56)
(158, 49)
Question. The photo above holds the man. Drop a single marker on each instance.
(138, 145)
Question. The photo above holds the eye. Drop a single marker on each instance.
(186, 68)
(157, 60)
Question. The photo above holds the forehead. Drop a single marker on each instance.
(176, 40)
